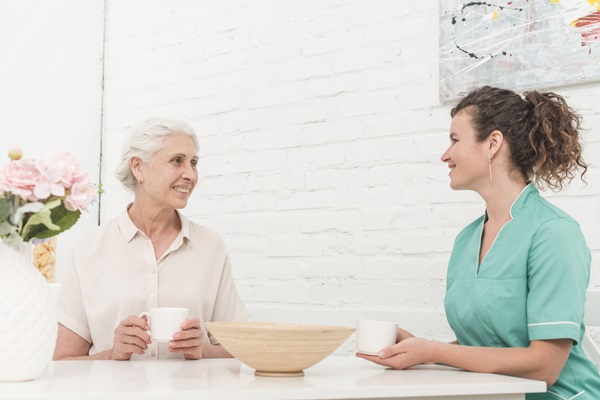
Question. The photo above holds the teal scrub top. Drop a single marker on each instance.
(531, 285)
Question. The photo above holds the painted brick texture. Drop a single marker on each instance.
(321, 133)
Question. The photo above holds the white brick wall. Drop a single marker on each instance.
(321, 132)
(51, 86)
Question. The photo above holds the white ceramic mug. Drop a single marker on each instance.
(165, 321)
(373, 336)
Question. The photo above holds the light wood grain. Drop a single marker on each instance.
(275, 349)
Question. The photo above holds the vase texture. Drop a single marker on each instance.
(28, 316)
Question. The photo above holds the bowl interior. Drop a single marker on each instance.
(277, 349)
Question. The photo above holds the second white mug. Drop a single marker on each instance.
(372, 336)
(165, 321)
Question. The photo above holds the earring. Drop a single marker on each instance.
(490, 165)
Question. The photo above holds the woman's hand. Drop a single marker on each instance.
(130, 337)
(407, 352)
(404, 354)
(402, 334)
(190, 341)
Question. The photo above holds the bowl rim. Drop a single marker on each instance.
(281, 326)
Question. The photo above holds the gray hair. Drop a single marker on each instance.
(145, 141)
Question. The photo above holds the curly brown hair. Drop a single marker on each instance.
(542, 132)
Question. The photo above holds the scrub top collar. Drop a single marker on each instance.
(528, 192)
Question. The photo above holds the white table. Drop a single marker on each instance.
(336, 377)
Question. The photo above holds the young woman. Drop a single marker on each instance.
(518, 275)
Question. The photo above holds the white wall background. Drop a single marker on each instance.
(320, 130)
(51, 84)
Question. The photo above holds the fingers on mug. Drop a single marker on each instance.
(147, 315)
(165, 321)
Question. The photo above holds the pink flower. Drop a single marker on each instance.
(20, 178)
(81, 195)
(52, 166)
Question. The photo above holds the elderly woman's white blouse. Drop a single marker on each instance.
(112, 273)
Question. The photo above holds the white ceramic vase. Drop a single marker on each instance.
(28, 316)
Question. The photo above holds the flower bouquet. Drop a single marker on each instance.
(41, 197)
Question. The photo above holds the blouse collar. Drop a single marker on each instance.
(129, 230)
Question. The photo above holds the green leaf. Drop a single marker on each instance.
(61, 219)
(27, 208)
(4, 209)
(13, 239)
(6, 228)
(40, 218)
(53, 203)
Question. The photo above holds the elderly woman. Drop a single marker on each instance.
(149, 256)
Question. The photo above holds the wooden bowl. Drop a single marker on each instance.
(275, 349)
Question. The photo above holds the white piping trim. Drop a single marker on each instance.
(492, 245)
(557, 395)
(513, 204)
(564, 398)
(498, 234)
(555, 323)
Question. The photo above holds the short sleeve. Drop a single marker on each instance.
(71, 309)
(228, 305)
(558, 275)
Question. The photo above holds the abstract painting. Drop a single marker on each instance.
(519, 44)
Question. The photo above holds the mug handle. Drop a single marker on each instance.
(147, 315)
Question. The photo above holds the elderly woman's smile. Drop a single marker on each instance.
(181, 189)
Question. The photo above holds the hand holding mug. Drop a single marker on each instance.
(164, 322)
(408, 352)
(170, 324)
(130, 337)
(190, 341)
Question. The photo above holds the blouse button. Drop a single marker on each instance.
(152, 295)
